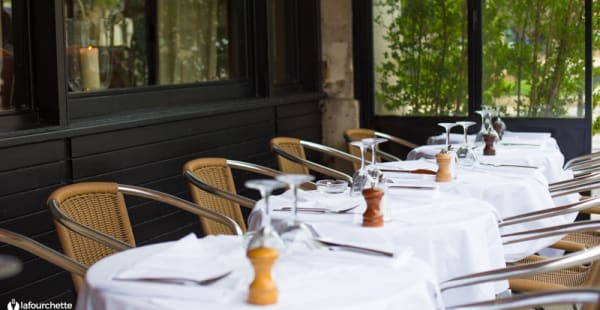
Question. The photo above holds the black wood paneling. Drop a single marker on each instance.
(150, 155)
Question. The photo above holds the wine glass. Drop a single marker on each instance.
(372, 170)
(361, 176)
(293, 231)
(497, 123)
(464, 154)
(485, 123)
(265, 237)
(447, 127)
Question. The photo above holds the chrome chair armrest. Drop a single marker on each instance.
(581, 158)
(555, 186)
(592, 164)
(396, 140)
(583, 187)
(552, 264)
(531, 300)
(86, 231)
(329, 151)
(387, 156)
(42, 251)
(551, 212)
(314, 166)
(182, 204)
(250, 167)
(239, 199)
(557, 230)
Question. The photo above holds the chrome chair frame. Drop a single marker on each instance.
(137, 191)
(42, 251)
(581, 226)
(575, 186)
(551, 212)
(315, 166)
(551, 264)
(580, 159)
(558, 297)
(239, 199)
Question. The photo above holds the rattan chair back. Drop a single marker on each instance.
(98, 205)
(215, 172)
(294, 147)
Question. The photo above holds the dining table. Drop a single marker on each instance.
(454, 235)
(214, 273)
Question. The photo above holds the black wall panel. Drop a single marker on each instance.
(151, 155)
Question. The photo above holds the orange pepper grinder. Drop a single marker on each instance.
(443, 160)
(263, 290)
(373, 216)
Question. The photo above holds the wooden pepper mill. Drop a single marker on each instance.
(443, 160)
(489, 149)
(263, 290)
(373, 216)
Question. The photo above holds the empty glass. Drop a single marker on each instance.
(464, 154)
(485, 123)
(361, 177)
(293, 231)
(497, 123)
(375, 174)
(265, 237)
(447, 127)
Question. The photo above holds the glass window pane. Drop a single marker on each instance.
(120, 44)
(420, 51)
(534, 57)
(282, 47)
(7, 58)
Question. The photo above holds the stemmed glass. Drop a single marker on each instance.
(465, 155)
(293, 230)
(485, 123)
(361, 176)
(372, 169)
(447, 127)
(265, 237)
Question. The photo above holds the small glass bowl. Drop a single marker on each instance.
(329, 186)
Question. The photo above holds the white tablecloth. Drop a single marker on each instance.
(511, 191)
(314, 280)
(544, 138)
(454, 235)
(549, 160)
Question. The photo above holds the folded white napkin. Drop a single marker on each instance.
(189, 259)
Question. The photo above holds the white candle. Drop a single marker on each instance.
(90, 68)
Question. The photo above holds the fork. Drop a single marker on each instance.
(179, 281)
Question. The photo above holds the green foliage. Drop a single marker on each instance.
(425, 71)
(533, 56)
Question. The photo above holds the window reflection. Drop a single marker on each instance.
(122, 44)
(7, 63)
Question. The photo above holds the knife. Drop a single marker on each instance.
(355, 248)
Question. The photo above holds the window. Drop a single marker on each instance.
(13, 86)
(534, 59)
(283, 45)
(114, 44)
(532, 54)
(420, 57)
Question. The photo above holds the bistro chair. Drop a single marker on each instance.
(573, 241)
(92, 222)
(587, 296)
(356, 134)
(547, 266)
(575, 276)
(291, 157)
(212, 186)
(75, 268)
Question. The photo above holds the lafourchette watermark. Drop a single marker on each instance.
(29, 305)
